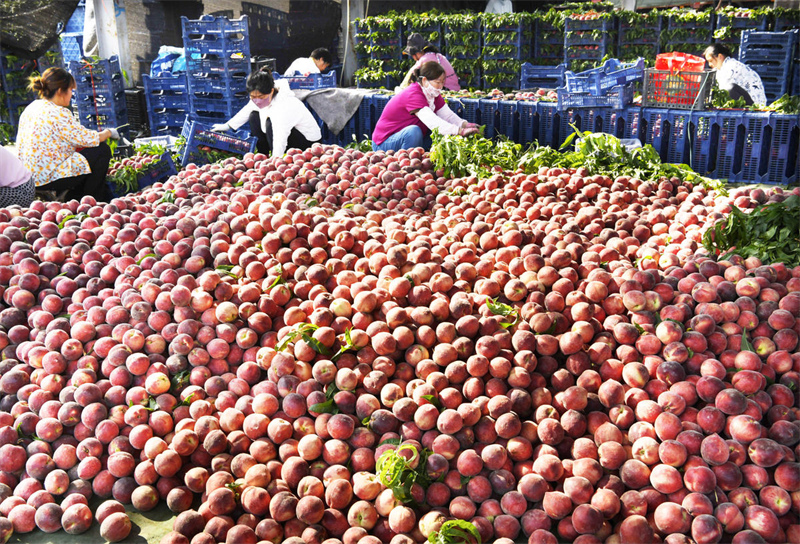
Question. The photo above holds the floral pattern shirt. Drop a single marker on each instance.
(47, 140)
(734, 72)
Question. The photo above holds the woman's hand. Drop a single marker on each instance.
(109, 133)
(467, 131)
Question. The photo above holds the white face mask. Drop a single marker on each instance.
(430, 91)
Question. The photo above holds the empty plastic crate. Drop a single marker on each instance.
(167, 142)
(379, 102)
(165, 82)
(678, 90)
(535, 77)
(617, 97)
(309, 82)
(200, 136)
(489, 116)
(214, 26)
(776, 48)
(76, 21)
(796, 78)
(783, 149)
(600, 80)
(222, 87)
(754, 149)
(471, 111)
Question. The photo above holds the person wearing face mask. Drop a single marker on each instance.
(411, 115)
(277, 118)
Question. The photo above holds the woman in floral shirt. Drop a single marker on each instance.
(59, 153)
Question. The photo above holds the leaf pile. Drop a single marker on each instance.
(456, 531)
(771, 233)
(460, 156)
(399, 474)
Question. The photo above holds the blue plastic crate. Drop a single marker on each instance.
(507, 119)
(704, 136)
(796, 78)
(76, 21)
(111, 107)
(169, 102)
(787, 21)
(776, 79)
(365, 123)
(103, 121)
(165, 82)
(99, 69)
(100, 88)
(604, 24)
(674, 23)
(427, 31)
(518, 38)
(679, 128)
(218, 26)
(519, 26)
(617, 97)
(489, 116)
(548, 127)
(159, 170)
(783, 150)
(309, 82)
(742, 23)
(218, 67)
(591, 119)
(624, 123)
(586, 52)
(379, 102)
(388, 82)
(600, 80)
(198, 135)
(528, 121)
(729, 145)
(656, 129)
(471, 109)
(217, 45)
(768, 47)
(452, 26)
(509, 52)
(508, 81)
(548, 77)
(567, 121)
(209, 106)
(755, 148)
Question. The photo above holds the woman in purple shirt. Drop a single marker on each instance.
(422, 52)
(411, 115)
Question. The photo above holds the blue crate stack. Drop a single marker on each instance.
(639, 36)
(100, 93)
(509, 43)
(588, 40)
(167, 99)
(687, 35)
(548, 43)
(771, 55)
(430, 28)
(217, 65)
(465, 56)
(796, 78)
(737, 26)
(705, 133)
(72, 37)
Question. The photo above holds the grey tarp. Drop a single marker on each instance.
(29, 27)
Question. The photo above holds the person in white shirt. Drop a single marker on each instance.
(277, 118)
(737, 78)
(319, 61)
(499, 6)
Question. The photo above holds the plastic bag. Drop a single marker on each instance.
(166, 60)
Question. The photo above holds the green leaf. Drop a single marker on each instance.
(640, 329)
(455, 531)
(327, 407)
(188, 400)
(746, 345)
(433, 400)
(140, 261)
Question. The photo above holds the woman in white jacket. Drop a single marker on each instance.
(277, 118)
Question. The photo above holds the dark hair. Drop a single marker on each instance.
(261, 81)
(430, 48)
(322, 54)
(51, 81)
(430, 71)
(717, 49)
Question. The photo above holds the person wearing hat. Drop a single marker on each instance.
(422, 51)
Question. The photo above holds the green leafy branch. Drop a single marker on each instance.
(455, 531)
(509, 312)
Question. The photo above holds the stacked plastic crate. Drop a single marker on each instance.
(771, 55)
(506, 45)
(72, 37)
(788, 19)
(609, 86)
(548, 39)
(217, 65)
(167, 102)
(687, 31)
(588, 39)
(731, 22)
(100, 93)
(462, 43)
(429, 25)
(379, 46)
(639, 35)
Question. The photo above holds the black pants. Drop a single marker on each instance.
(738, 92)
(264, 137)
(93, 183)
